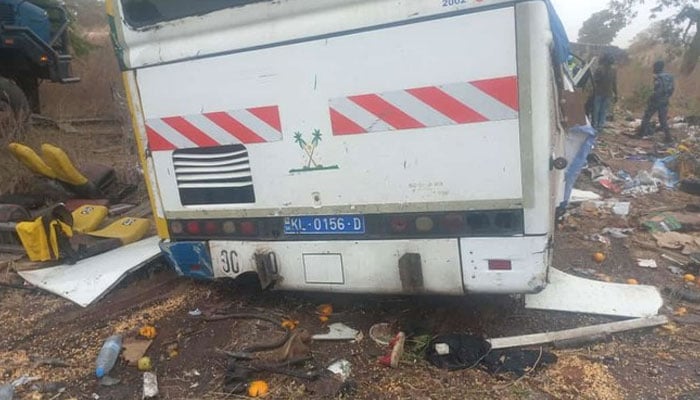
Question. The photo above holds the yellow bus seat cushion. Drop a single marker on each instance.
(59, 161)
(32, 234)
(127, 229)
(88, 218)
(31, 160)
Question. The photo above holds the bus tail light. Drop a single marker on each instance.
(192, 228)
(453, 223)
(500, 265)
(229, 227)
(211, 227)
(176, 227)
(424, 224)
(248, 228)
(398, 224)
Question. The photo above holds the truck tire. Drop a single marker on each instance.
(13, 102)
(14, 109)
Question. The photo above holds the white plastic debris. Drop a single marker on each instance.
(646, 263)
(150, 385)
(339, 331)
(195, 313)
(342, 368)
(442, 349)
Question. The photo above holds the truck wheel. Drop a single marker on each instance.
(14, 110)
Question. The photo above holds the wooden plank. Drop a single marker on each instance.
(577, 333)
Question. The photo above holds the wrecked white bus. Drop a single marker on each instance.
(378, 146)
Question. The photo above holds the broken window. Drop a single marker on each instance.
(141, 13)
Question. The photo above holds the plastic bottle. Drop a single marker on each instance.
(108, 355)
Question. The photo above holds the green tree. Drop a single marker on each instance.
(601, 28)
(682, 30)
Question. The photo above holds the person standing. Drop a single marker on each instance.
(658, 103)
(604, 90)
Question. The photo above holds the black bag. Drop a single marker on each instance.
(457, 351)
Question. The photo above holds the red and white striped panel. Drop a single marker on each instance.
(451, 104)
(252, 125)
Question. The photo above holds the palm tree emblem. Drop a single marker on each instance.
(310, 150)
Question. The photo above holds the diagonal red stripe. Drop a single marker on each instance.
(504, 90)
(386, 111)
(190, 131)
(235, 128)
(343, 125)
(271, 116)
(156, 142)
(447, 105)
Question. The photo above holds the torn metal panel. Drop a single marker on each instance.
(90, 279)
(570, 293)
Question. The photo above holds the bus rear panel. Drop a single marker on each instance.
(348, 146)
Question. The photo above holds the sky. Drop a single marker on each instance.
(574, 12)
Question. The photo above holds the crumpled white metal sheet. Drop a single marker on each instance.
(90, 279)
(570, 293)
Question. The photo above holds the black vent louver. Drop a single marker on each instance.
(214, 175)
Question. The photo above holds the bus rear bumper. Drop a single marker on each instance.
(430, 266)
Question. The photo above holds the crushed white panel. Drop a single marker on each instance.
(570, 293)
(88, 280)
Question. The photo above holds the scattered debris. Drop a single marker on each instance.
(568, 334)
(109, 381)
(134, 350)
(646, 263)
(342, 368)
(579, 196)
(52, 362)
(195, 313)
(382, 333)
(678, 241)
(150, 385)
(339, 331)
(90, 279)
(618, 233)
(395, 351)
(570, 293)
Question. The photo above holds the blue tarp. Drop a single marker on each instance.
(561, 40)
(579, 161)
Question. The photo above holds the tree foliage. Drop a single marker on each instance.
(601, 28)
(682, 30)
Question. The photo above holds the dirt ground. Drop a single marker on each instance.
(661, 363)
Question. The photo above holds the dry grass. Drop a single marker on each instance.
(636, 82)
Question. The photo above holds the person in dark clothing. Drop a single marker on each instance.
(604, 90)
(658, 103)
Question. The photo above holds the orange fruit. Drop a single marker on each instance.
(290, 324)
(598, 257)
(258, 389)
(325, 309)
(680, 311)
(689, 278)
(148, 331)
(632, 281)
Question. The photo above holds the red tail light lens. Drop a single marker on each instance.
(176, 227)
(211, 227)
(248, 228)
(193, 228)
(453, 223)
(500, 265)
(398, 224)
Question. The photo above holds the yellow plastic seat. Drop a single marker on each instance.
(61, 164)
(128, 230)
(31, 160)
(88, 218)
(39, 244)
